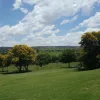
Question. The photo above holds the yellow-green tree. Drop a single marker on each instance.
(22, 56)
(5, 61)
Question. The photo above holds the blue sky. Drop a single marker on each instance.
(47, 22)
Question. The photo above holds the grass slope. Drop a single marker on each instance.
(54, 84)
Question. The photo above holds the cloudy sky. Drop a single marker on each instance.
(47, 22)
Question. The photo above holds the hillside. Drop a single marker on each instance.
(54, 84)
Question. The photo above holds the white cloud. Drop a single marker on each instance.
(69, 21)
(92, 22)
(24, 10)
(92, 29)
(17, 4)
(31, 2)
(37, 23)
(64, 22)
(52, 9)
(74, 18)
(71, 39)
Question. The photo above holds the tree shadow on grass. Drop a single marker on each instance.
(68, 67)
(2, 71)
(15, 72)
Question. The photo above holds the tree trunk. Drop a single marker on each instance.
(19, 68)
(40, 65)
(69, 64)
(2, 69)
(26, 68)
(7, 69)
(81, 64)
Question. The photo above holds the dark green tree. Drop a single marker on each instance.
(68, 56)
(90, 42)
(43, 59)
(54, 58)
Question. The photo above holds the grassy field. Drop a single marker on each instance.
(51, 83)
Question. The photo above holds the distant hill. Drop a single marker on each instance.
(5, 49)
(55, 47)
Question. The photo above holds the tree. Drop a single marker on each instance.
(80, 56)
(4, 61)
(43, 59)
(54, 58)
(67, 56)
(22, 56)
(91, 45)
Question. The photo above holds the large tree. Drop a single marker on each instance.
(22, 56)
(90, 42)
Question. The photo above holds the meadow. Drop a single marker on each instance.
(51, 82)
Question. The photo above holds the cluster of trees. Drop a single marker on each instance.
(67, 56)
(88, 55)
(21, 56)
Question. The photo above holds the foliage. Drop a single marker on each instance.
(91, 45)
(22, 56)
(4, 61)
(54, 58)
(43, 59)
(67, 56)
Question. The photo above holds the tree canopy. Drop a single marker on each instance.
(90, 42)
(43, 59)
(22, 56)
(67, 56)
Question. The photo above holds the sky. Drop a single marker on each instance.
(47, 22)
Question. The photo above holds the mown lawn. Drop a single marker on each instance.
(51, 84)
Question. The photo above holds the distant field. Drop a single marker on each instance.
(52, 82)
(56, 53)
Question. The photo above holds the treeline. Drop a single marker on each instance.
(88, 55)
(21, 56)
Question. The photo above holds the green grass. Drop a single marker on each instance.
(51, 83)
